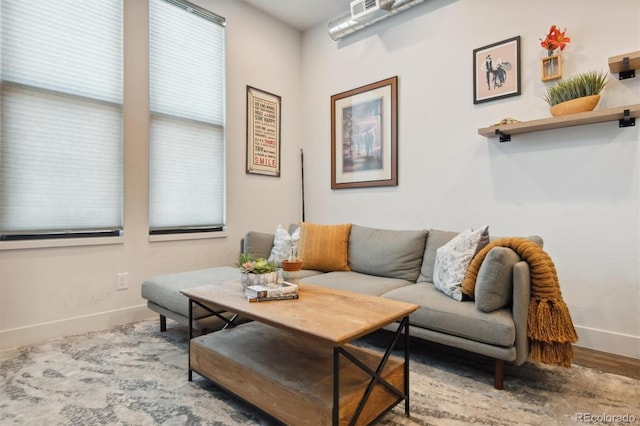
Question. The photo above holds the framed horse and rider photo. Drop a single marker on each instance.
(496, 71)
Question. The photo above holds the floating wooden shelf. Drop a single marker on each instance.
(505, 131)
(625, 65)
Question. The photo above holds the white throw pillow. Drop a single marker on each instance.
(282, 243)
(453, 260)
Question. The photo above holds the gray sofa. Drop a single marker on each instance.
(398, 265)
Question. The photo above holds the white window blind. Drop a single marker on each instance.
(61, 117)
(187, 102)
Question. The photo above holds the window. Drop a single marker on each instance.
(61, 153)
(187, 125)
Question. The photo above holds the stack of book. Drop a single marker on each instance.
(259, 293)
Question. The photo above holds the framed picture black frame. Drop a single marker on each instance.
(496, 71)
(364, 136)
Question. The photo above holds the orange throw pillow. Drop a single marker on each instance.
(324, 247)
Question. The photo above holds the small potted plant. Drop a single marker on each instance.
(579, 93)
(292, 266)
(256, 270)
(293, 263)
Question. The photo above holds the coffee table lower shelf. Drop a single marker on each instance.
(291, 377)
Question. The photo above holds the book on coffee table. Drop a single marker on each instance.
(287, 296)
(263, 291)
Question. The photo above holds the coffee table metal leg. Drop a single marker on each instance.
(231, 322)
(227, 322)
(190, 337)
(376, 376)
(405, 325)
(336, 385)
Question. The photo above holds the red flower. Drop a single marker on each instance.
(555, 39)
(561, 39)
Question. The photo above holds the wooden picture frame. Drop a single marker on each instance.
(551, 68)
(263, 132)
(496, 70)
(364, 136)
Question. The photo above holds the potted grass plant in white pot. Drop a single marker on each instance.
(579, 93)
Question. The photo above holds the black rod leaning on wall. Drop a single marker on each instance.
(302, 174)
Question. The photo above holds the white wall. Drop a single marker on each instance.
(51, 292)
(576, 187)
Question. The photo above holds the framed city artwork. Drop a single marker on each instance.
(263, 132)
(364, 136)
(496, 71)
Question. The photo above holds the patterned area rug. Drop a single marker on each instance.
(135, 375)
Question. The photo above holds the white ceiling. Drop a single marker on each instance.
(302, 14)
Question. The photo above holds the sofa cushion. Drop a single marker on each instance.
(356, 282)
(257, 243)
(324, 247)
(386, 253)
(164, 290)
(494, 283)
(283, 241)
(535, 238)
(435, 240)
(453, 259)
(441, 313)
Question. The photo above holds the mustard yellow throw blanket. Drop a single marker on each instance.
(549, 326)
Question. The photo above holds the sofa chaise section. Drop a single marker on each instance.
(163, 296)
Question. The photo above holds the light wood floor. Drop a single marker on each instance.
(604, 361)
(601, 361)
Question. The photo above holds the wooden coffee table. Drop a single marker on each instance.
(295, 362)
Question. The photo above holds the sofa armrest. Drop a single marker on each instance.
(520, 309)
(257, 243)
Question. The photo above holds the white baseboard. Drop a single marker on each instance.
(607, 341)
(67, 327)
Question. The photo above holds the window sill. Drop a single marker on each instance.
(187, 236)
(63, 242)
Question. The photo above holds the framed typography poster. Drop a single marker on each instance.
(263, 132)
(364, 136)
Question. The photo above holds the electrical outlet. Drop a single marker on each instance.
(122, 281)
